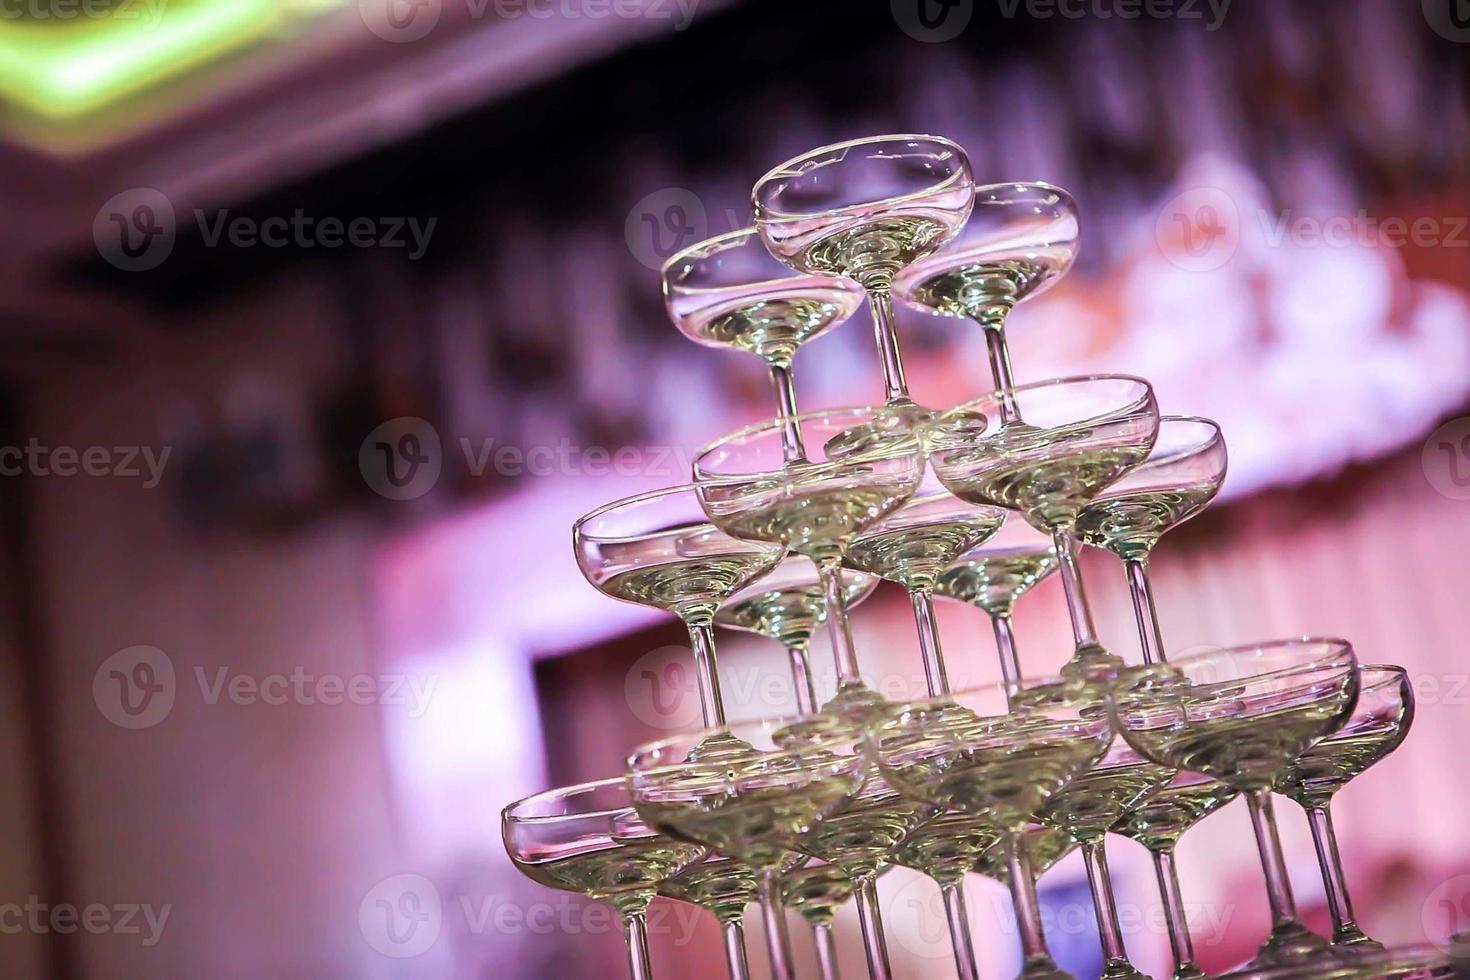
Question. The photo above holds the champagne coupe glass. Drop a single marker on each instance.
(589, 839)
(1086, 808)
(944, 848)
(1021, 238)
(815, 892)
(787, 606)
(1045, 847)
(723, 888)
(857, 839)
(1158, 824)
(814, 507)
(970, 753)
(1179, 478)
(763, 786)
(1080, 435)
(913, 546)
(658, 549)
(729, 291)
(1244, 715)
(994, 576)
(866, 209)
(1378, 725)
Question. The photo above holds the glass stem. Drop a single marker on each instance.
(1174, 919)
(1344, 926)
(1273, 863)
(1005, 646)
(773, 914)
(880, 304)
(735, 948)
(1149, 636)
(959, 929)
(865, 895)
(801, 678)
(635, 930)
(781, 380)
(844, 651)
(826, 945)
(1064, 538)
(1000, 366)
(702, 641)
(929, 648)
(1023, 897)
(1095, 855)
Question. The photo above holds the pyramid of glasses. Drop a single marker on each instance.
(789, 523)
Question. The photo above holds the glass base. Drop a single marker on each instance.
(1123, 970)
(1092, 664)
(1043, 968)
(857, 703)
(1356, 962)
(1190, 972)
(1288, 945)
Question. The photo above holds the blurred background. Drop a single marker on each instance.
(323, 320)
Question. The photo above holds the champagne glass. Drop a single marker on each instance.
(913, 546)
(857, 840)
(763, 786)
(1179, 478)
(1158, 824)
(1244, 715)
(970, 753)
(814, 507)
(787, 606)
(1021, 238)
(1045, 848)
(723, 888)
(1378, 725)
(589, 839)
(994, 576)
(1080, 435)
(866, 209)
(1086, 808)
(658, 549)
(729, 291)
(815, 892)
(944, 847)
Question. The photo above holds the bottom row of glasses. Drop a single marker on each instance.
(991, 779)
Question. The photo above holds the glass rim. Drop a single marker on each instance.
(997, 395)
(727, 241)
(1394, 674)
(785, 169)
(1043, 184)
(637, 498)
(1007, 690)
(1335, 646)
(1216, 437)
(566, 792)
(733, 728)
(776, 424)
